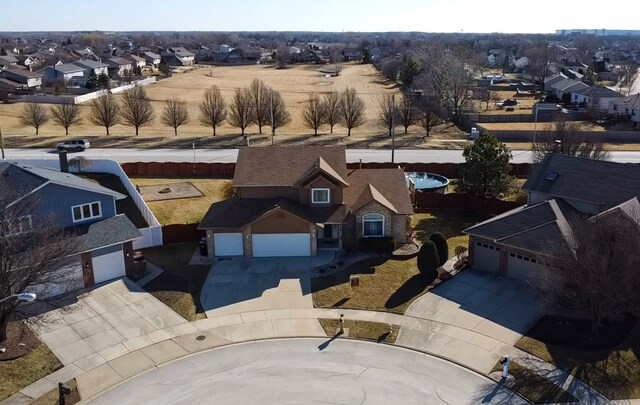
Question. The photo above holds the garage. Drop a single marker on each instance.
(228, 244)
(486, 257)
(521, 267)
(108, 263)
(281, 244)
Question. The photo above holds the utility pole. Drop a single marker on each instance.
(193, 146)
(1, 142)
(393, 128)
(273, 130)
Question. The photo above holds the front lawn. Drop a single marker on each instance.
(19, 373)
(379, 332)
(180, 284)
(614, 371)
(183, 210)
(385, 285)
(535, 388)
(449, 223)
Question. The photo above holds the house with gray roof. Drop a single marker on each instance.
(119, 66)
(102, 237)
(186, 57)
(70, 73)
(561, 189)
(595, 96)
(24, 77)
(628, 106)
(90, 65)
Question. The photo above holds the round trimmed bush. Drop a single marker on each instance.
(443, 247)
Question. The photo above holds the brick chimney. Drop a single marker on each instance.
(64, 163)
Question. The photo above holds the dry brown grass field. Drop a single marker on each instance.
(294, 83)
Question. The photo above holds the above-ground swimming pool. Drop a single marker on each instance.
(427, 181)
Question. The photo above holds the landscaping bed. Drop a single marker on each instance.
(376, 331)
(51, 397)
(385, 285)
(612, 367)
(180, 284)
(30, 362)
(535, 388)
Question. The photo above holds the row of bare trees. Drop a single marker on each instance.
(346, 108)
(423, 111)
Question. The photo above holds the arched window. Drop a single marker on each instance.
(372, 225)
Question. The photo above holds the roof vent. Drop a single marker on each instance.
(551, 176)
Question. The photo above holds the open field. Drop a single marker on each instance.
(294, 83)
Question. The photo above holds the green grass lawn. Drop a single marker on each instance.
(535, 388)
(379, 332)
(615, 371)
(385, 285)
(180, 284)
(449, 223)
(19, 373)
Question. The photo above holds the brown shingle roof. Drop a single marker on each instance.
(284, 166)
(596, 181)
(388, 183)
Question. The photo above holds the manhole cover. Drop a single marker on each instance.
(201, 337)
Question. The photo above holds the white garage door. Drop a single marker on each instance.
(227, 244)
(108, 266)
(521, 268)
(486, 257)
(281, 245)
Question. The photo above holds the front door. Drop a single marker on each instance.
(328, 231)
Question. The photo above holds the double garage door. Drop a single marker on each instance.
(264, 245)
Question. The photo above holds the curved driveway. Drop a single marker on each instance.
(296, 371)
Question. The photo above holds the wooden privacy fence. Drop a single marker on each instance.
(226, 170)
(179, 233)
(463, 202)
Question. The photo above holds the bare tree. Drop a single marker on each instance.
(388, 112)
(592, 271)
(540, 57)
(213, 109)
(241, 114)
(431, 113)
(335, 57)
(278, 114)
(259, 94)
(352, 109)
(391, 68)
(175, 114)
(105, 112)
(34, 115)
(451, 79)
(66, 115)
(31, 249)
(331, 104)
(81, 163)
(407, 114)
(282, 56)
(314, 114)
(137, 110)
(566, 137)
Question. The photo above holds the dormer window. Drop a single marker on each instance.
(320, 196)
(86, 211)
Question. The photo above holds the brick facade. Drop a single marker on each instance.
(87, 269)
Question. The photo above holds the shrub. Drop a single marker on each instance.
(227, 191)
(384, 244)
(461, 252)
(428, 259)
(443, 247)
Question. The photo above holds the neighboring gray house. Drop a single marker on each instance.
(513, 244)
(566, 86)
(23, 77)
(118, 66)
(136, 60)
(152, 59)
(89, 65)
(102, 237)
(597, 96)
(186, 58)
(67, 72)
(629, 106)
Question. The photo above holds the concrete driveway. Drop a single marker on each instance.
(103, 323)
(240, 284)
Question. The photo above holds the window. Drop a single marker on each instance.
(17, 226)
(86, 211)
(615, 107)
(372, 225)
(320, 195)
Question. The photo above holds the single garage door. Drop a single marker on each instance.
(108, 266)
(227, 244)
(281, 244)
(486, 257)
(522, 268)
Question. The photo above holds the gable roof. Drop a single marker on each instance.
(529, 227)
(597, 181)
(135, 58)
(108, 232)
(23, 73)
(151, 55)
(632, 101)
(388, 187)
(119, 61)
(598, 92)
(17, 181)
(321, 166)
(262, 167)
(68, 68)
(91, 64)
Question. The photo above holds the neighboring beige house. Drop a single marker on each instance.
(23, 77)
(185, 57)
(118, 66)
(295, 201)
(595, 96)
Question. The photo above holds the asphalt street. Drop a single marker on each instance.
(230, 155)
(309, 371)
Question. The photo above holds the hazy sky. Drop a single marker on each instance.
(538, 16)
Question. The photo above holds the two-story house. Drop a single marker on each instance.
(119, 66)
(560, 189)
(24, 77)
(186, 57)
(294, 201)
(152, 59)
(92, 66)
(67, 72)
(102, 238)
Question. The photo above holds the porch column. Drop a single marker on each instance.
(314, 239)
